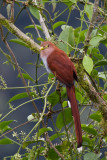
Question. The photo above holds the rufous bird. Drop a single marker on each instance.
(57, 62)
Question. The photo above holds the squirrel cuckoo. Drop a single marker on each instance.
(57, 62)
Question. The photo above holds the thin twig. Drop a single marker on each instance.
(16, 128)
(42, 23)
(92, 24)
(33, 23)
(52, 146)
(19, 70)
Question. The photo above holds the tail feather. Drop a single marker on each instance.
(75, 113)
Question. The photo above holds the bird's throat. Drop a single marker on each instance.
(44, 59)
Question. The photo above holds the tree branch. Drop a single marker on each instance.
(91, 26)
(18, 33)
(85, 82)
(42, 23)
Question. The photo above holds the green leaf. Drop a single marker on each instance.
(69, 3)
(96, 116)
(80, 97)
(32, 26)
(53, 5)
(102, 75)
(53, 98)
(52, 155)
(65, 144)
(94, 32)
(5, 141)
(105, 85)
(55, 136)
(95, 41)
(40, 39)
(43, 130)
(80, 35)
(88, 63)
(103, 30)
(19, 41)
(7, 128)
(65, 103)
(67, 38)
(9, 58)
(57, 24)
(63, 93)
(91, 156)
(25, 144)
(20, 96)
(105, 96)
(67, 115)
(8, 10)
(94, 74)
(34, 11)
(87, 141)
(96, 54)
(5, 123)
(26, 76)
(101, 63)
(50, 77)
(104, 158)
(89, 129)
(89, 10)
(104, 42)
(24, 158)
(43, 2)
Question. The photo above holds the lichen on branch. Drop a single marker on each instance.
(18, 33)
(86, 84)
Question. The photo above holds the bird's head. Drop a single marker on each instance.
(47, 48)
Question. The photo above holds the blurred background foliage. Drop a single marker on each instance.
(79, 27)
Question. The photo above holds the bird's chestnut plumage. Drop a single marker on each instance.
(57, 62)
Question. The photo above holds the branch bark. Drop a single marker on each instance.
(42, 23)
(86, 84)
(91, 26)
(18, 33)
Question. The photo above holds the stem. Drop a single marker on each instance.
(40, 118)
(24, 87)
(19, 107)
(12, 140)
(33, 23)
(16, 128)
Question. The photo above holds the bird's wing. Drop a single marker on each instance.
(62, 67)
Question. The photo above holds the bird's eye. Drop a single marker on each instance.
(48, 45)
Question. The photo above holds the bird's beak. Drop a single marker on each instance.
(41, 48)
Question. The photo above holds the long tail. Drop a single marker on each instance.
(75, 113)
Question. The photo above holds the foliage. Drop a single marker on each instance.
(84, 43)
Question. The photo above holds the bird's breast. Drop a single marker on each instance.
(44, 59)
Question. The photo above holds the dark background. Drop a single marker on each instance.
(24, 55)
